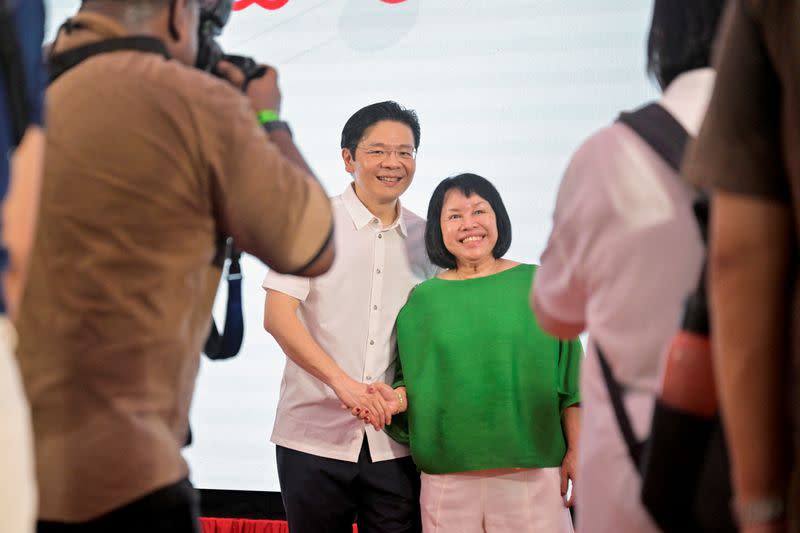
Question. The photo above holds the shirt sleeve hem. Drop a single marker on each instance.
(571, 402)
(555, 326)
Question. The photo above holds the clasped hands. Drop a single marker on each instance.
(374, 403)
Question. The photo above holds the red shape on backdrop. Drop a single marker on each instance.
(238, 5)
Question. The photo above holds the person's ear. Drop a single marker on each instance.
(349, 162)
(178, 18)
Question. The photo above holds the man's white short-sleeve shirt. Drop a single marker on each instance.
(350, 311)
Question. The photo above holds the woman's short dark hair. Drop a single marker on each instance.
(681, 37)
(468, 184)
(357, 125)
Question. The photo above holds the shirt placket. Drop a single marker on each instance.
(373, 342)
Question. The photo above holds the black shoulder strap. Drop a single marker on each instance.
(60, 63)
(615, 394)
(659, 129)
(668, 138)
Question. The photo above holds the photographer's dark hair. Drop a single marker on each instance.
(681, 37)
(357, 125)
(153, 3)
(468, 184)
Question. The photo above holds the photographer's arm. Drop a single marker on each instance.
(263, 93)
(271, 206)
(281, 321)
(283, 140)
(20, 209)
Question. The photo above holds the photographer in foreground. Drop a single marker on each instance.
(150, 162)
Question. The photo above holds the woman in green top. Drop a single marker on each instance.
(492, 400)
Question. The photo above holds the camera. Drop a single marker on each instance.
(214, 15)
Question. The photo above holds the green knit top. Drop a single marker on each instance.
(486, 386)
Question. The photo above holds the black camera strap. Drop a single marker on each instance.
(227, 344)
(668, 138)
(60, 63)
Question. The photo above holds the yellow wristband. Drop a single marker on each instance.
(267, 115)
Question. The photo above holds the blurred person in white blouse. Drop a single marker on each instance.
(623, 254)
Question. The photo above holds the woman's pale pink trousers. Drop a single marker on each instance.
(518, 500)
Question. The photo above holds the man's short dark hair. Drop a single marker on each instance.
(681, 37)
(364, 118)
(468, 184)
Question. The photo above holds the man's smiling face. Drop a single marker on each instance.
(384, 162)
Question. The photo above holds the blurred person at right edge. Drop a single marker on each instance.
(150, 163)
(747, 154)
(623, 254)
(22, 147)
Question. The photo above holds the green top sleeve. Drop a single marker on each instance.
(570, 356)
(399, 380)
(398, 429)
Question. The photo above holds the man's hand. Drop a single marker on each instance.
(263, 91)
(361, 402)
(569, 467)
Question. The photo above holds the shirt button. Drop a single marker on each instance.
(380, 235)
(378, 270)
(375, 307)
(371, 343)
(369, 378)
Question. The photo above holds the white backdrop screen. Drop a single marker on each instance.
(504, 88)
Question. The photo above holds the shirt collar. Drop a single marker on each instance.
(93, 27)
(362, 217)
(686, 98)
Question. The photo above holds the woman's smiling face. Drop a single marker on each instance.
(469, 226)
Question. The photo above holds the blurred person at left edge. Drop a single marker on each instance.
(22, 145)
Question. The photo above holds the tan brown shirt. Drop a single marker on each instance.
(147, 161)
(750, 141)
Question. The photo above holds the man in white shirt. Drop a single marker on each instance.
(338, 335)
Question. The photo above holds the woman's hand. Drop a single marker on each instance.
(571, 422)
(362, 403)
(569, 467)
(395, 400)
